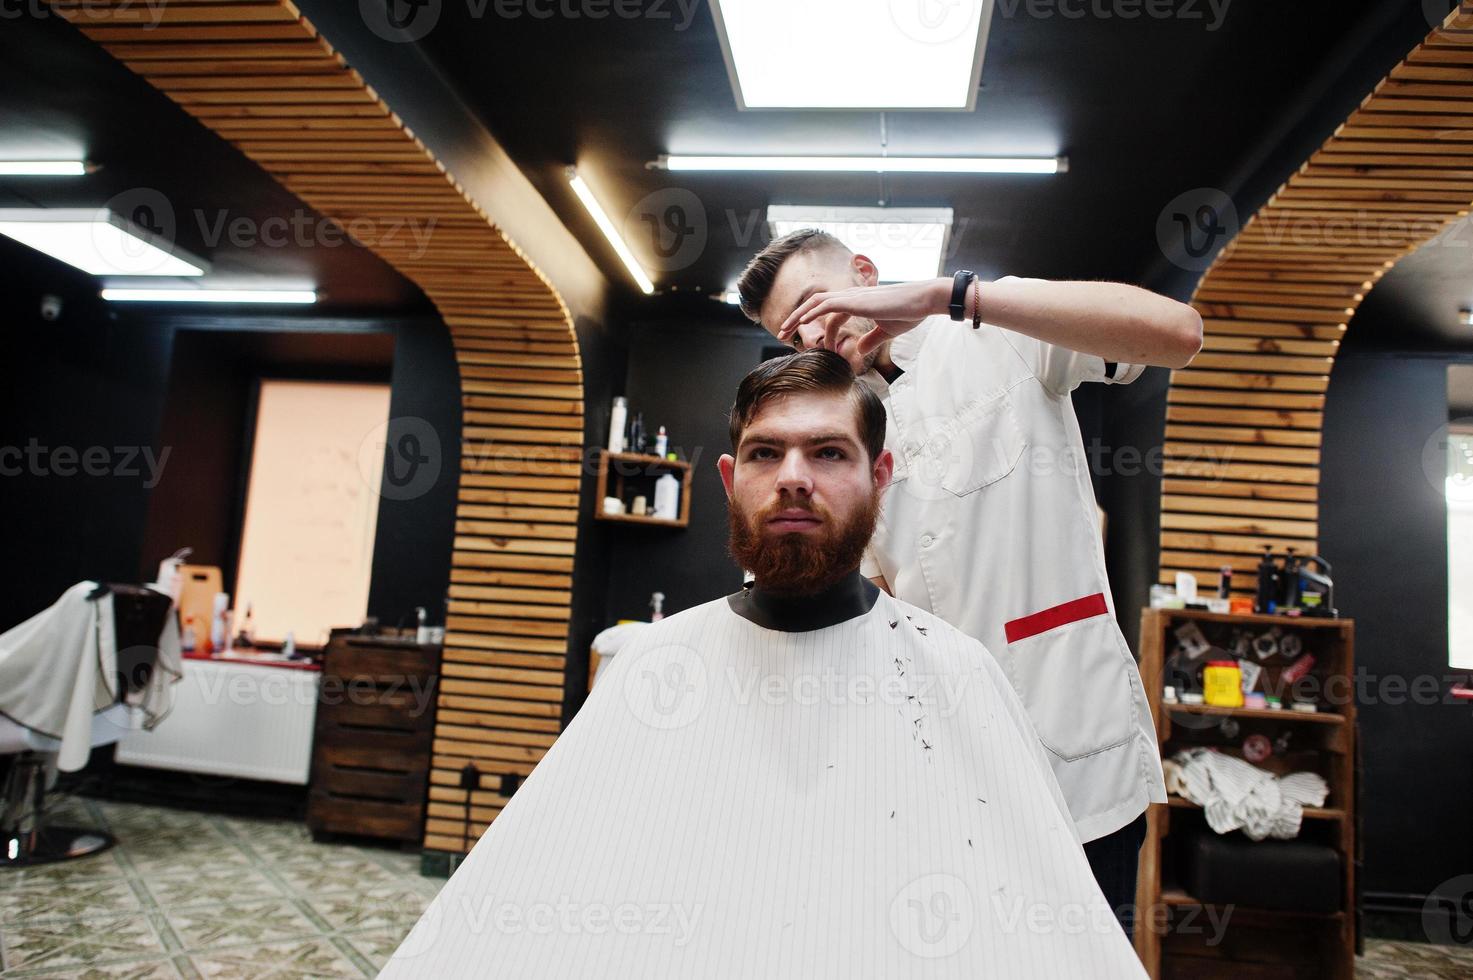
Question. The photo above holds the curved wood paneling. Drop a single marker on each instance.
(1243, 421)
(260, 76)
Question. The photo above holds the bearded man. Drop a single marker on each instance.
(809, 778)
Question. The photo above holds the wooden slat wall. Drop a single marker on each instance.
(258, 74)
(1243, 421)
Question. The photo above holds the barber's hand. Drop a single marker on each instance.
(895, 309)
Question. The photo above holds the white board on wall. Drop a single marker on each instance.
(306, 548)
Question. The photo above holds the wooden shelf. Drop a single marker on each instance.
(1258, 940)
(646, 466)
(1283, 714)
(640, 519)
(1255, 619)
(1177, 898)
(1310, 812)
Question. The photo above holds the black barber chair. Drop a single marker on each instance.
(139, 615)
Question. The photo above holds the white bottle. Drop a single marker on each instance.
(617, 418)
(662, 442)
(667, 497)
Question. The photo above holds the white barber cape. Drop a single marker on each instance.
(59, 667)
(863, 800)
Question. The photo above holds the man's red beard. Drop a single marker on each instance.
(795, 562)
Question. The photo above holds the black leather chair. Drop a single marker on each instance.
(139, 615)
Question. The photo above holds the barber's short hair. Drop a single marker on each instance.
(811, 371)
(755, 284)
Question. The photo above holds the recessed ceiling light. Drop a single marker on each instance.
(97, 241)
(883, 165)
(905, 244)
(600, 218)
(853, 54)
(274, 296)
(42, 168)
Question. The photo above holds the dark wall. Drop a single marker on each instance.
(1383, 525)
(101, 377)
(87, 381)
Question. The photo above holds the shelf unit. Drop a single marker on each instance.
(643, 468)
(1255, 942)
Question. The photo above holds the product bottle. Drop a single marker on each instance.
(617, 418)
(636, 433)
(248, 628)
(662, 442)
(1268, 583)
(1289, 584)
(667, 497)
(187, 637)
(1225, 584)
(657, 607)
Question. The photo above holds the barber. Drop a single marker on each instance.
(990, 520)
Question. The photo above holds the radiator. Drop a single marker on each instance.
(233, 719)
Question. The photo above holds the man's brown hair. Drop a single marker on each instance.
(755, 284)
(819, 371)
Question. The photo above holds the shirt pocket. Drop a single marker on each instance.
(985, 446)
(1074, 677)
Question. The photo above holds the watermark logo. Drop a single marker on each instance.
(666, 687)
(1447, 915)
(151, 212)
(1437, 11)
(400, 21)
(1194, 225)
(401, 458)
(933, 916)
(425, 934)
(934, 21)
(673, 223)
(1447, 460)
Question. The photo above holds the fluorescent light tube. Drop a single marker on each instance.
(580, 187)
(853, 54)
(906, 244)
(274, 296)
(96, 241)
(883, 165)
(43, 168)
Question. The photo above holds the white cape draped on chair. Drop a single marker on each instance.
(59, 668)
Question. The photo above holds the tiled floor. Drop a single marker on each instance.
(191, 895)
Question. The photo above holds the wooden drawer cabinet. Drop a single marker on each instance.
(375, 728)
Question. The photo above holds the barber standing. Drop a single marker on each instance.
(990, 520)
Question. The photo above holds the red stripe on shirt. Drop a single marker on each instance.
(1060, 615)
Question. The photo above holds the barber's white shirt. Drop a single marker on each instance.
(991, 524)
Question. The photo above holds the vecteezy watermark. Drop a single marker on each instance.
(1437, 13)
(673, 222)
(666, 686)
(1211, 13)
(938, 694)
(304, 229)
(935, 21)
(401, 458)
(34, 459)
(1447, 914)
(402, 21)
(564, 916)
(933, 916)
(1194, 225)
(134, 13)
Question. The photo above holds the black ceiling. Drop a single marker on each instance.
(1144, 108)
(64, 95)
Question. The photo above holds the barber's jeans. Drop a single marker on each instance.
(1114, 859)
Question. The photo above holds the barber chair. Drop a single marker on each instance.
(139, 615)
